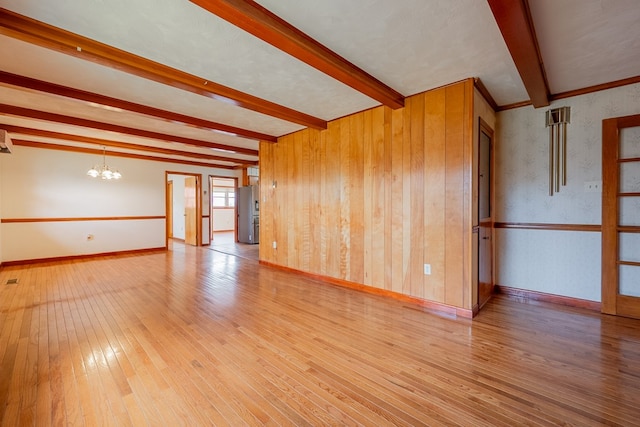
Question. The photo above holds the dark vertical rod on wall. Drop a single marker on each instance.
(564, 154)
(556, 165)
(556, 120)
(551, 167)
(561, 154)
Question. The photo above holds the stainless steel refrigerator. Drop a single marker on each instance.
(248, 214)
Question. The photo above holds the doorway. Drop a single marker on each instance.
(223, 219)
(183, 207)
(621, 216)
(485, 213)
(170, 209)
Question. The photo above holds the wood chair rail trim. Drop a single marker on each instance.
(73, 219)
(546, 226)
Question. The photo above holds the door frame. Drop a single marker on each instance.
(169, 208)
(235, 207)
(198, 177)
(486, 223)
(612, 301)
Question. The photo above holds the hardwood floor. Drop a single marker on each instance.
(199, 337)
(225, 241)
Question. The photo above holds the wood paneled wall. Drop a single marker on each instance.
(375, 196)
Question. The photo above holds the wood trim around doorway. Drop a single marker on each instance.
(198, 177)
(612, 302)
(235, 208)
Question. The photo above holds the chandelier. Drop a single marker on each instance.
(103, 171)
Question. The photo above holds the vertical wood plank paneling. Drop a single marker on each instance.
(356, 198)
(417, 196)
(276, 203)
(434, 201)
(388, 206)
(345, 199)
(266, 199)
(306, 200)
(377, 195)
(454, 190)
(314, 182)
(268, 208)
(333, 207)
(406, 200)
(378, 199)
(283, 201)
(323, 138)
(397, 205)
(369, 194)
(296, 228)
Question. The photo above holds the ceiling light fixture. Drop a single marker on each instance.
(104, 171)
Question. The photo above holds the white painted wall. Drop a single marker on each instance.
(557, 262)
(40, 183)
(178, 205)
(223, 219)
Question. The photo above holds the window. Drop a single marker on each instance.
(223, 198)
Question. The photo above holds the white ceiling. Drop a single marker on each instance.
(586, 43)
(410, 45)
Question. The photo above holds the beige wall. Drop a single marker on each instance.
(564, 263)
(39, 183)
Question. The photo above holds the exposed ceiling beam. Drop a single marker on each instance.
(74, 121)
(44, 35)
(129, 146)
(68, 92)
(515, 24)
(61, 147)
(265, 25)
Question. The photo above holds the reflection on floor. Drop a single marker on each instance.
(225, 242)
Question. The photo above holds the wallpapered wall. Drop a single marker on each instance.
(558, 262)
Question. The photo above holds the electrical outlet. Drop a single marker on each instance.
(275, 245)
(593, 186)
(427, 269)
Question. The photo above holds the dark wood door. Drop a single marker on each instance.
(485, 216)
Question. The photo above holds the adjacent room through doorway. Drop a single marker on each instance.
(224, 219)
(183, 209)
(223, 210)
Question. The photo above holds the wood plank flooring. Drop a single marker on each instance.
(199, 337)
(225, 241)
